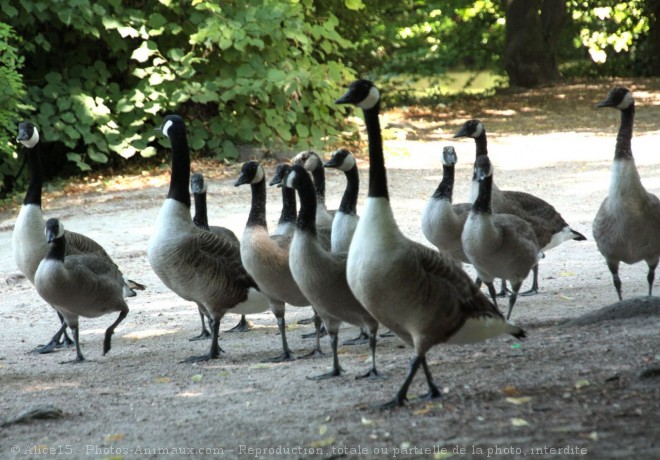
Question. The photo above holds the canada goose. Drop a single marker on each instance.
(422, 295)
(266, 257)
(628, 221)
(442, 221)
(286, 224)
(199, 187)
(321, 274)
(198, 265)
(87, 285)
(549, 226)
(28, 243)
(346, 218)
(498, 245)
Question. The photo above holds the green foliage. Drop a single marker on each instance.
(103, 73)
(11, 91)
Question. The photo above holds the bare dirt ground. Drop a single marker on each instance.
(591, 390)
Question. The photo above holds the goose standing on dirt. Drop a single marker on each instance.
(422, 295)
(29, 246)
(266, 257)
(627, 225)
(286, 224)
(549, 226)
(198, 265)
(199, 188)
(498, 245)
(346, 218)
(87, 285)
(442, 221)
(321, 275)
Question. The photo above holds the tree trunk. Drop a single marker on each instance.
(532, 33)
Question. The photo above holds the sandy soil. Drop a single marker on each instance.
(589, 390)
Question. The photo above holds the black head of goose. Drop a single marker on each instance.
(28, 244)
(287, 221)
(198, 265)
(498, 245)
(311, 161)
(321, 274)
(549, 226)
(199, 188)
(266, 257)
(442, 221)
(346, 218)
(86, 285)
(626, 225)
(386, 270)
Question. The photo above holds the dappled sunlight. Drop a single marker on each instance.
(149, 333)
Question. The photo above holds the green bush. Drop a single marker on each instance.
(101, 74)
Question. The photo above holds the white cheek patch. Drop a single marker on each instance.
(259, 175)
(479, 130)
(312, 163)
(348, 163)
(166, 127)
(290, 178)
(626, 102)
(371, 100)
(32, 141)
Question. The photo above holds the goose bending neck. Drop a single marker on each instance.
(482, 204)
(348, 204)
(377, 173)
(180, 167)
(307, 216)
(257, 216)
(446, 187)
(35, 179)
(623, 149)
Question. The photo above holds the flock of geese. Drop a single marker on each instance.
(360, 270)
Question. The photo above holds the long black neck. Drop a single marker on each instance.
(257, 216)
(57, 249)
(180, 166)
(201, 219)
(307, 216)
(481, 143)
(319, 183)
(349, 200)
(289, 206)
(445, 189)
(35, 179)
(377, 173)
(623, 149)
(482, 203)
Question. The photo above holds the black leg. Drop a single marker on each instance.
(535, 283)
(54, 342)
(214, 352)
(205, 334)
(336, 368)
(373, 373)
(401, 395)
(243, 325)
(360, 339)
(79, 356)
(316, 352)
(614, 269)
(323, 331)
(491, 291)
(503, 289)
(66, 340)
(111, 330)
(286, 355)
(651, 277)
(434, 392)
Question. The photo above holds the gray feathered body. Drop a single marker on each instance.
(442, 225)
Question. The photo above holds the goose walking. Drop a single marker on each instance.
(198, 265)
(627, 225)
(266, 258)
(199, 188)
(28, 243)
(423, 296)
(442, 221)
(549, 226)
(88, 285)
(321, 275)
(498, 245)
